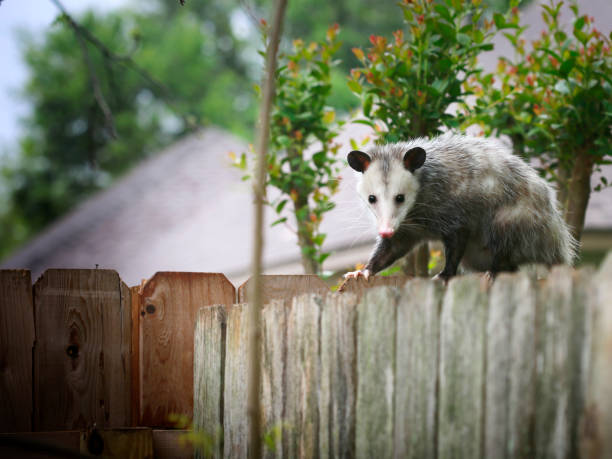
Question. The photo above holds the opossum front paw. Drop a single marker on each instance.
(355, 274)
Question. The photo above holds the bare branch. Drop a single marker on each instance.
(162, 90)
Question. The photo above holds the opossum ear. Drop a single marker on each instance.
(358, 160)
(414, 158)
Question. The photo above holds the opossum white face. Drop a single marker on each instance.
(388, 185)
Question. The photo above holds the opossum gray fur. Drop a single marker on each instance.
(491, 210)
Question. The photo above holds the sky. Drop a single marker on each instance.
(35, 16)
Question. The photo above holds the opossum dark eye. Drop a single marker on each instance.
(399, 198)
(371, 199)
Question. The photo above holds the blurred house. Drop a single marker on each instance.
(186, 209)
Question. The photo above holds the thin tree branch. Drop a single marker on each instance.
(254, 376)
(163, 91)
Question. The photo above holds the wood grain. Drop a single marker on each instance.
(169, 303)
(561, 340)
(359, 285)
(82, 365)
(135, 355)
(41, 445)
(338, 389)
(376, 327)
(209, 365)
(596, 422)
(16, 342)
(273, 376)
(418, 332)
(127, 443)
(510, 378)
(172, 444)
(235, 419)
(462, 368)
(303, 377)
(284, 287)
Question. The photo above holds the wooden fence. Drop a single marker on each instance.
(416, 370)
(80, 348)
(519, 368)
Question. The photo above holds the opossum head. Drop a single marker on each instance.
(388, 185)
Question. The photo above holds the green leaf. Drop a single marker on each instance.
(279, 221)
(443, 11)
(464, 39)
(366, 122)
(567, 67)
(579, 23)
(500, 21)
(355, 86)
(367, 105)
(281, 205)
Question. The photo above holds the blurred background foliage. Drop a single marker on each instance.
(164, 70)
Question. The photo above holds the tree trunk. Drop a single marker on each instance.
(305, 238)
(417, 261)
(578, 193)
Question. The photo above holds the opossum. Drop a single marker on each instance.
(490, 209)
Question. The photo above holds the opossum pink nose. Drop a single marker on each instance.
(386, 233)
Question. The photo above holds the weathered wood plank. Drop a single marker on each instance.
(376, 327)
(510, 378)
(41, 445)
(172, 444)
(16, 342)
(135, 354)
(128, 443)
(170, 302)
(596, 423)
(273, 377)
(462, 367)
(359, 285)
(561, 322)
(82, 353)
(209, 366)
(418, 331)
(235, 419)
(284, 287)
(338, 376)
(303, 377)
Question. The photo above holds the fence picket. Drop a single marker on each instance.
(376, 325)
(596, 432)
(561, 340)
(510, 372)
(359, 286)
(16, 342)
(338, 376)
(235, 419)
(303, 377)
(284, 287)
(418, 331)
(82, 356)
(273, 384)
(208, 380)
(169, 302)
(462, 368)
